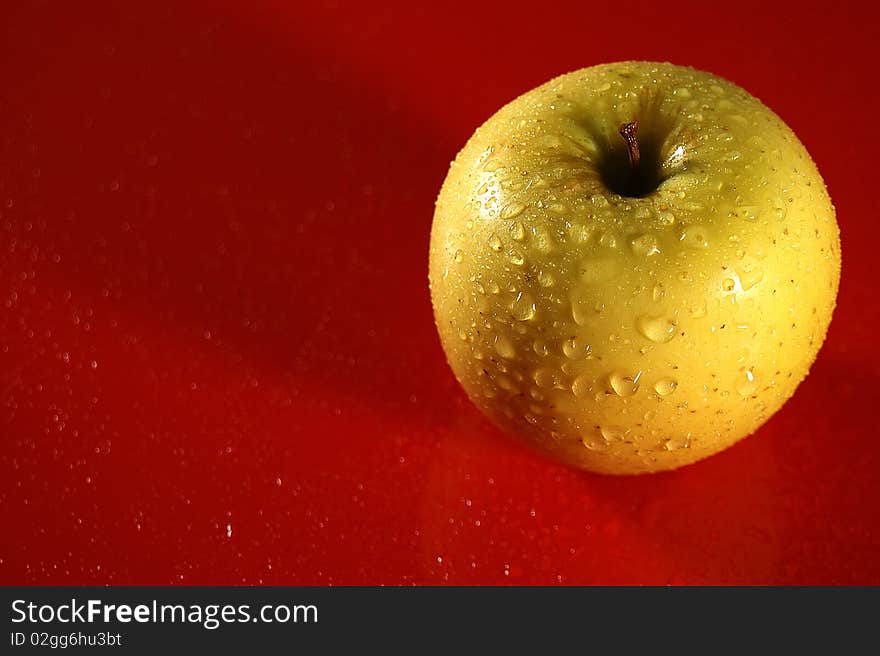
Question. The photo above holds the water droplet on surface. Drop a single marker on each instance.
(582, 385)
(695, 236)
(546, 279)
(459, 256)
(523, 307)
(581, 309)
(517, 231)
(579, 233)
(748, 212)
(658, 292)
(495, 243)
(546, 378)
(613, 433)
(749, 278)
(504, 347)
(576, 348)
(512, 210)
(675, 443)
(645, 245)
(608, 239)
(598, 271)
(747, 385)
(699, 309)
(544, 242)
(506, 384)
(517, 258)
(595, 441)
(666, 218)
(665, 386)
(657, 329)
(624, 385)
(675, 159)
(728, 284)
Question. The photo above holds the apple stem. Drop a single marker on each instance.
(628, 132)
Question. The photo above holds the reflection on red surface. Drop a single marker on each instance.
(217, 356)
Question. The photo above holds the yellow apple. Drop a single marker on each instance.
(633, 266)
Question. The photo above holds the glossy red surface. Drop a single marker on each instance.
(218, 358)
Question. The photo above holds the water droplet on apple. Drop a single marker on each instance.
(657, 329)
(728, 284)
(543, 240)
(540, 347)
(748, 278)
(595, 441)
(581, 309)
(523, 307)
(512, 210)
(624, 385)
(608, 239)
(747, 385)
(458, 257)
(582, 385)
(516, 258)
(504, 347)
(506, 384)
(546, 279)
(695, 236)
(517, 231)
(665, 386)
(598, 271)
(613, 433)
(495, 243)
(666, 218)
(645, 245)
(675, 443)
(748, 212)
(546, 378)
(699, 309)
(579, 233)
(576, 348)
(658, 292)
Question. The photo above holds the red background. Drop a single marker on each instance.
(218, 358)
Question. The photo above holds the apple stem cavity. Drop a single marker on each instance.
(628, 132)
(638, 172)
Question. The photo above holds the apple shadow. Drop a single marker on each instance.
(778, 505)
